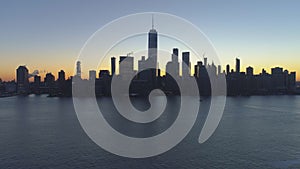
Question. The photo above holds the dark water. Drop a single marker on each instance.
(255, 132)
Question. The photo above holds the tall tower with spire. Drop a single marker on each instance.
(150, 75)
(78, 69)
(152, 45)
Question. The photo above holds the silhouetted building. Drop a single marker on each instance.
(205, 62)
(60, 88)
(186, 65)
(237, 65)
(142, 63)
(35, 88)
(292, 82)
(103, 84)
(22, 80)
(2, 88)
(113, 65)
(219, 69)
(49, 80)
(196, 70)
(249, 71)
(104, 74)
(203, 78)
(9, 87)
(61, 76)
(227, 69)
(250, 82)
(278, 79)
(37, 80)
(212, 69)
(152, 46)
(78, 69)
(92, 75)
(126, 65)
(172, 73)
(175, 55)
(172, 67)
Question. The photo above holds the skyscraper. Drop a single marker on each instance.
(92, 75)
(49, 80)
(104, 74)
(22, 80)
(212, 69)
(199, 67)
(151, 62)
(237, 65)
(113, 65)
(278, 78)
(196, 70)
(126, 65)
(219, 69)
(61, 76)
(37, 80)
(205, 62)
(172, 67)
(227, 69)
(186, 66)
(249, 71)
(61, 81)
(152, 46)
(292, 81)
(175, 55)
(36, 84)
(78, 69)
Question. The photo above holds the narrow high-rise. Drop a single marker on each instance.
(152, 46)
(172, 67)
(78, 69)
(113, 65)
(219, 69)
(92, 75)
(227, 69)
(22, 80)
(237, 65)
(61, 76)
(186, 64)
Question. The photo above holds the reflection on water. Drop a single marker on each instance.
(255, 132)
(129, 128)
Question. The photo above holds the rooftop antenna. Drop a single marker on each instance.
(152, 21)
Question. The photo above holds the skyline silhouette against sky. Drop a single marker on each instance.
(49, 35)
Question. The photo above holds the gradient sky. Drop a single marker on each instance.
(48, 35)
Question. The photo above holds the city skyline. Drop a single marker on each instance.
(223, 69)
(280, 81)
(260, 35)
(131, 64)
(149, 76)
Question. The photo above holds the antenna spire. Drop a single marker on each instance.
(152, 22)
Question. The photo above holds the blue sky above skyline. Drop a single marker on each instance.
(47, 35)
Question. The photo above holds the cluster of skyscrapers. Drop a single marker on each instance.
(49, 85)
(247, 83)
(149, 77)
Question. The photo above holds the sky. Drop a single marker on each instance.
(48, 35)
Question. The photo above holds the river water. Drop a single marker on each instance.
(254, 132)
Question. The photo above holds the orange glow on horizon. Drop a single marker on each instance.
(11, 75)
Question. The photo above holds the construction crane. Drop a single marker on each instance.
(130, 53)
(34, 73)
